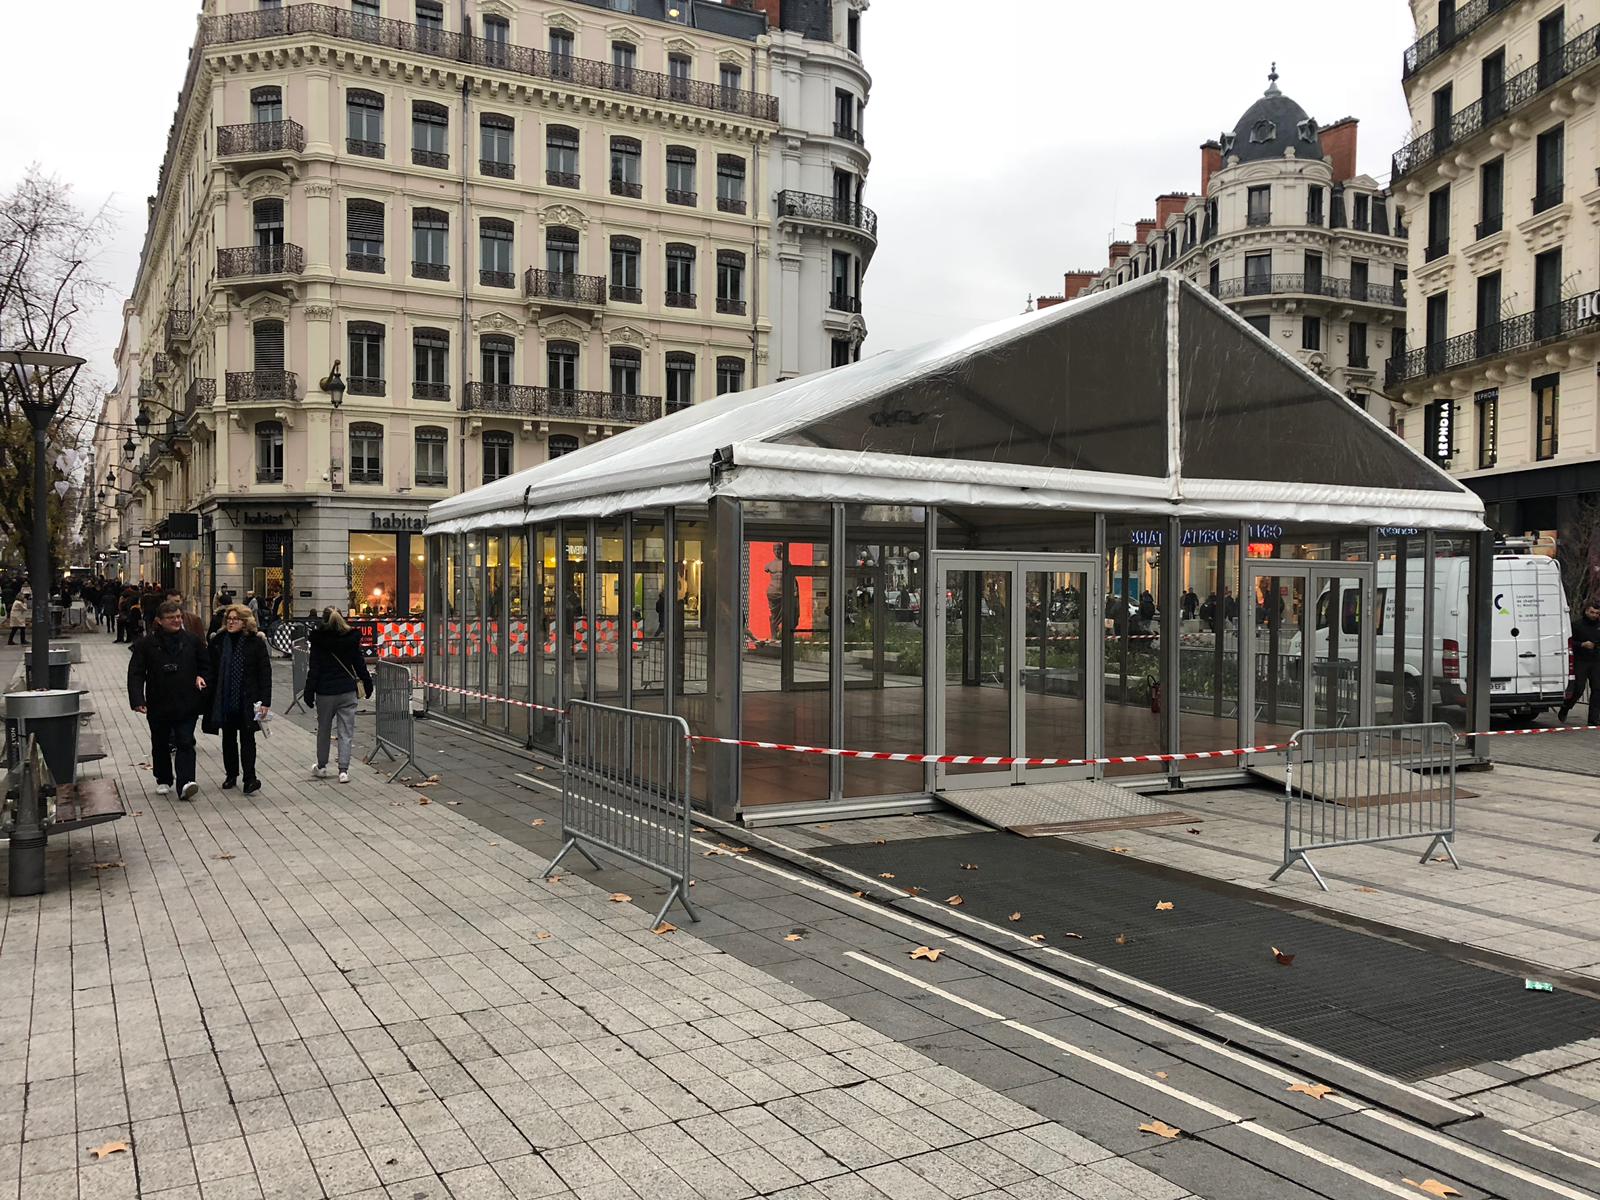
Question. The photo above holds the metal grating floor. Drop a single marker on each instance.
(1397, 1009)
(1075, 806)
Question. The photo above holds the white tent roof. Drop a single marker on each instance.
(1150, 398)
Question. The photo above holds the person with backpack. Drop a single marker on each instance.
(337, 667)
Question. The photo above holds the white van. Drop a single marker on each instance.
(1531, 623)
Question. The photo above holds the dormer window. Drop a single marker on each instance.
(1308, 130)
(1227, 145)
(1264, 131)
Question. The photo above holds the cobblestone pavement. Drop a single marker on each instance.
(326, 990)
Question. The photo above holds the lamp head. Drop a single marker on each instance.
(128, 449)
(143, 421)
(334, 385)
(37, 379)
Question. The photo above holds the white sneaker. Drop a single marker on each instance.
(162, 789)
(189, 789)
(344, 776)
(319, 772)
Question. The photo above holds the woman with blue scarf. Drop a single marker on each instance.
(242, 668)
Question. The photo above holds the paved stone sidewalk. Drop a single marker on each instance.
(327, 990)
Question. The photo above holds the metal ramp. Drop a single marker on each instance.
(1077, 806)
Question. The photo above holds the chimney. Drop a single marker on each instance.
(773, 9)
(1079, 282)
(1117, 250)
(1170, 205)
(1339, 147)
(1210, 164)
(1142, 231)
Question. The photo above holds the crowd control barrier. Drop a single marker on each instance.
(1364, 785)
(625, 788)
(299, 672)
(394, 723)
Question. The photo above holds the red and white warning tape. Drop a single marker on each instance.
(455, 691)
(1521, 732)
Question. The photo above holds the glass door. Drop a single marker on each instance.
(975, 701)
(1060, 657)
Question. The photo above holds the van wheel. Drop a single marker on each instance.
(1413, 700)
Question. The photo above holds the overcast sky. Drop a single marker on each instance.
(1010, 138)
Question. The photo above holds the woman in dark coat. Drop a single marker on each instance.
(336, 668)
(241, 669)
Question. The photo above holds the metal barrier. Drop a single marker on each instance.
(394, 723)
(299, 672)
(1368, 784)
(625, 788)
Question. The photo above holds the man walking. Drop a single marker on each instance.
(1585, 662)
(166, 679)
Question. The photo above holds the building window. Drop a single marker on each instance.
(680, 381)
(624, 57)
(562, 443)
(561, 156)
(730, 79)
(496, 455)
(1491, 197)
(366, 452)
(430, 14)
(561, 366)
(1311, 333)
(730, 375)
(1313, 272)
(266, 105)
(266, 219)
(680, 275)
(561, 251)
(625, 176)
(730, 184)
(680, 176)
(1214, 277)
(679, 72)
(1362, 212)
(269, 452)
(366, 359)
(1258, 206)
(1358, 344)
(496, 242)
(1359, 273)
(1438, 223)
(840, 296)
(1314, 197)
(1547, 409)
(498, 354)
(430, 135)
(266, 338)
(365, 9)
(625, 270)
(430, 447)
(496, 41)
(1550, 169)
(496, 133)
(364, 123)
(562, 48)
(624, 371)
(844, 115)
(730, 282)
(852, 32)
(430, 244)
(839, 349)
(1488, 427)
(430, 354)
(364, 235)
(1261, 324)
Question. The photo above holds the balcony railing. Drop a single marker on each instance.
(160, 364)
(423, 390)
(496, 169)
(688, 199)
(430, 158)
(849, 133)
(498, 279)
(558, 403)
(250, 262)
(809, 206)
(1521, 332)
(364, 262)
(363, 148)
(1498, 103)
(680, 299)
(735, 308)
(358, 386)
(180, 324)
(840, 302)
(566, 179)
(430, 270)
(1549, 198)
(626, 294)
(1256, 219)
(261, 137)
(1434, 251)
(589, 290)
(729, 204)
(201, 393)
(329, 21)
(1450, 31)
(262, 387)
(1245, 286)
(1491, 224)
(627, 187)
(1313, 218)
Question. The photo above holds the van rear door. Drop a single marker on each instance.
(1549, 669)
(1502, 646)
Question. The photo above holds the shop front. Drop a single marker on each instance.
(1126, 526)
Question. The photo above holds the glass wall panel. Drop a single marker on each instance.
(453, 673)
(613, 620)
(883, 648)
(1279, 638)
(1529, 637)
(473, 630)
(648, 600)
(1399, 603)
(1208, 685)
(786, 649)
(695, 557)
(494, 628)
(434, 660)
(520, 635)
(578, 662)
(1133, 626)
(544, 648)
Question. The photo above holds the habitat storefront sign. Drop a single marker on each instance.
(1207, 537)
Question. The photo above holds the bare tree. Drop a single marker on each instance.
(1579, 555)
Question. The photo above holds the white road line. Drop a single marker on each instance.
(542, 783)
(1543, 1145)
(1483, 1157)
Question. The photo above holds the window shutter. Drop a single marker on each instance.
(366, 221)
(268, 338)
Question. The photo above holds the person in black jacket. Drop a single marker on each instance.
(336, 667)
(241, 693)
(167, 683)
(1585, 662)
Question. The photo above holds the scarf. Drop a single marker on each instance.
(230, 703)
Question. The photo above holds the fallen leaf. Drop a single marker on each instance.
(858, 895)
(422, 783)
(1161, 1074)
(554, 879)
(1016, 916)
(1315, 1090)
(1164, 906)
(222, 857)
(969, 866)
(1433, 1187)
(494, 843)
(1122, 939)
(885, 874)
(915, 891)
(1119, 849)
(1038, 937)
(431, 779)
(543, 935)
(664, 928)
(1074, 936)
(1161, 1128)
(108, 1148)
(927, 952)
(108, 866)
(620, 897)
(825, 826)
(879, 842)
(955, 902)
(423, 800)
(794, 937)
(699, 829)
(1441, 858)
(1284, 960)
(1196, 832)
(138, 812)
(537, 822)
(1368, 891)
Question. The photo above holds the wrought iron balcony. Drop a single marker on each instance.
(499, 279)
(809, 206)
(1522, 332)
(430, 158)
(258, 139)
(626, 294)
(1543, 202)
(430, 270)
(840, 302)
(148, 388)
(363, 149)
(496, 169)
(365, 262)
(262, 387)
(558, 286)
(201, 393)
(515, 400)
(1245, 286)
(849, 133)
(254, 262)
(1313, 218)
(1498, 103)
(1257, 219)
(1435, 250)
(735, 308)
(627, 187)
(423, 390)
(180, 325)
(1449, 31)
(566, 179)
(1490, 225)
(680, 299)
(687, 199)
(729, 204)
(161, 364)
(358, 386)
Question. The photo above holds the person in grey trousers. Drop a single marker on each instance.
(336, 670)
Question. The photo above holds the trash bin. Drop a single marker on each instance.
(52, 718)
(60, 669)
